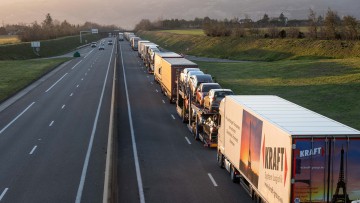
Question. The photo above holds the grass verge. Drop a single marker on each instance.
(16, 75)
(329, 87)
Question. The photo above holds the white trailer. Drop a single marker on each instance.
(282, 152)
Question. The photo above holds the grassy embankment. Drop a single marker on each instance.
(253, 49)
(328, 86)
(48, 47)
(15, 75)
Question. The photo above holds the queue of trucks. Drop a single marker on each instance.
(278, 151)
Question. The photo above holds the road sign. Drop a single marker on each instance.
(35, 44)
(94, 31)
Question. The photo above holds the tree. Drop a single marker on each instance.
(282, 19)
(282, 34)
(144, 24)
(3, 31)
(264, 21)
(313, 24)
(350, 27)
(48, 27)
(331, 23)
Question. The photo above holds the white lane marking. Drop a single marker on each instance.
(156, 90)
(152, 83)
(76, 65)
(88, 54)
(33, 149)
(187, 139)
(147, 76)
(71, 94)
(3, 193)
(63, 106)
(88, 69)
(163, 101)
(82, 78)
(136, 159)
(27, 108)
(212, 180)
(173, 116)
(77, 86)
(51, 124)
(85, 74)
(87, 157)
(56, 82)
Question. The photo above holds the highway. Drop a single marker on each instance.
(53, 138)
(173, 167)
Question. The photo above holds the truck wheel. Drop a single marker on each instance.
(220, 160)
(233, 177)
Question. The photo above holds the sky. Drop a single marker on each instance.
(126, 13)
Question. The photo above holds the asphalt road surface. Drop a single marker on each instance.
(172, 166)
(53, 139)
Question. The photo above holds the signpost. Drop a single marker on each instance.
(36, 48)
(93, 31)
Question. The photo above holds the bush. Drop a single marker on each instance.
(282, 34)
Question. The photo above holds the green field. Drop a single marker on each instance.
(329, 87)
(9, 39)
(15, 75)
(48, 47)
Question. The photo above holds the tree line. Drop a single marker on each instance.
(329, 26)
(51, 29)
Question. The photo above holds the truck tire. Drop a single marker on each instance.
(233, 177)
(220, 160)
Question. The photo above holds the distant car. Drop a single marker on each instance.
(203, 90)
(101, 47)
(212, 101)
(110, 42)
(93, 44)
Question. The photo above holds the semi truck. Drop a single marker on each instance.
(282, 152)
(139, 45)
(147, 53)
(134, 43)
(121, 36)
(170, 69)
(156, 63)
(202, 122)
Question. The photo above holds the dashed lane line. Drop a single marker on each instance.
(212, 180)
(33, 150)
